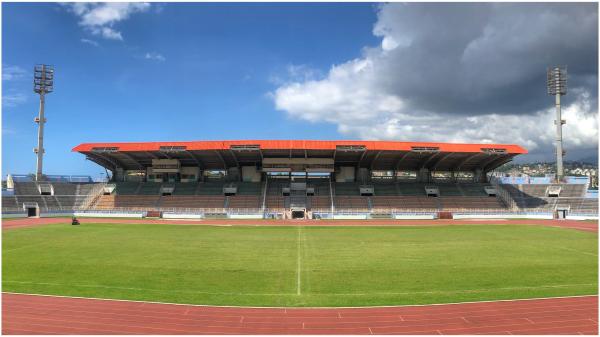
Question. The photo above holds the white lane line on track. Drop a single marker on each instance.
(286, 308)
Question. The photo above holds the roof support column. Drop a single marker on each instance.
(478, 176)
(423, 176)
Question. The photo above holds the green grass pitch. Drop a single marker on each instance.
(300, 266)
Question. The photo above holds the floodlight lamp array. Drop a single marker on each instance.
(557, 81)
(43, 79)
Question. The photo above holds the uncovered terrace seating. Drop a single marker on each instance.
(573, 191)
(10, 203)
(65, 188)
(584, 206)
(69, 202)
(26, 188)
(50, 202)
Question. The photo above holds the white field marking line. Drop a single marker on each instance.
(298, 264)
(306, 250)
(285, 308)
(577, 250)
(323, 294)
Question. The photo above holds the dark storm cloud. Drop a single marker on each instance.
(486, 58)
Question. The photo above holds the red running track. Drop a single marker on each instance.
(591, 226)
(34, 314)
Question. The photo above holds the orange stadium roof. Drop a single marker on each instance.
(375, 155)
(301, 145)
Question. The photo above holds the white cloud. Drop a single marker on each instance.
(91, 42)
(10, 73)
(100, 18)
(296, 73)
(388, 92)
(13, 99)
(154, 56)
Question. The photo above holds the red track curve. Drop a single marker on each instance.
(33, 314)
(590, 226)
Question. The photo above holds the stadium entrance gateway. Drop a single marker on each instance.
(298, 213)
(32, 209)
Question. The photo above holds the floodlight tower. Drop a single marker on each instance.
(43, 83)
(557, 86)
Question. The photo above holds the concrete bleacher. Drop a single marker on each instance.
(67, 196)
(385, 189)
(10, 203)
(210, 188)
(192, 202)
(138, 202)
(65, 188)
(249, 188)
(462, 203)
(449, 189)
(26, 188)
(127, 188)
(275, 202)
(403, 202)
(244, 201)
(535, 197)
(410, 189)
(319, 203)
(473, 190)
(351, 202)
(346, 189)
(149, 188)
(185, 188)
(388, 196)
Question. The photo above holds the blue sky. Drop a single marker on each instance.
(217, 66)
(450, 72)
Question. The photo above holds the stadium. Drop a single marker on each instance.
(302, 180)
(296, 236)
(235, 225)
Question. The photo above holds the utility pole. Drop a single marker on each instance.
(43, 83)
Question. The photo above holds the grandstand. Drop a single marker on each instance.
(297, 179)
